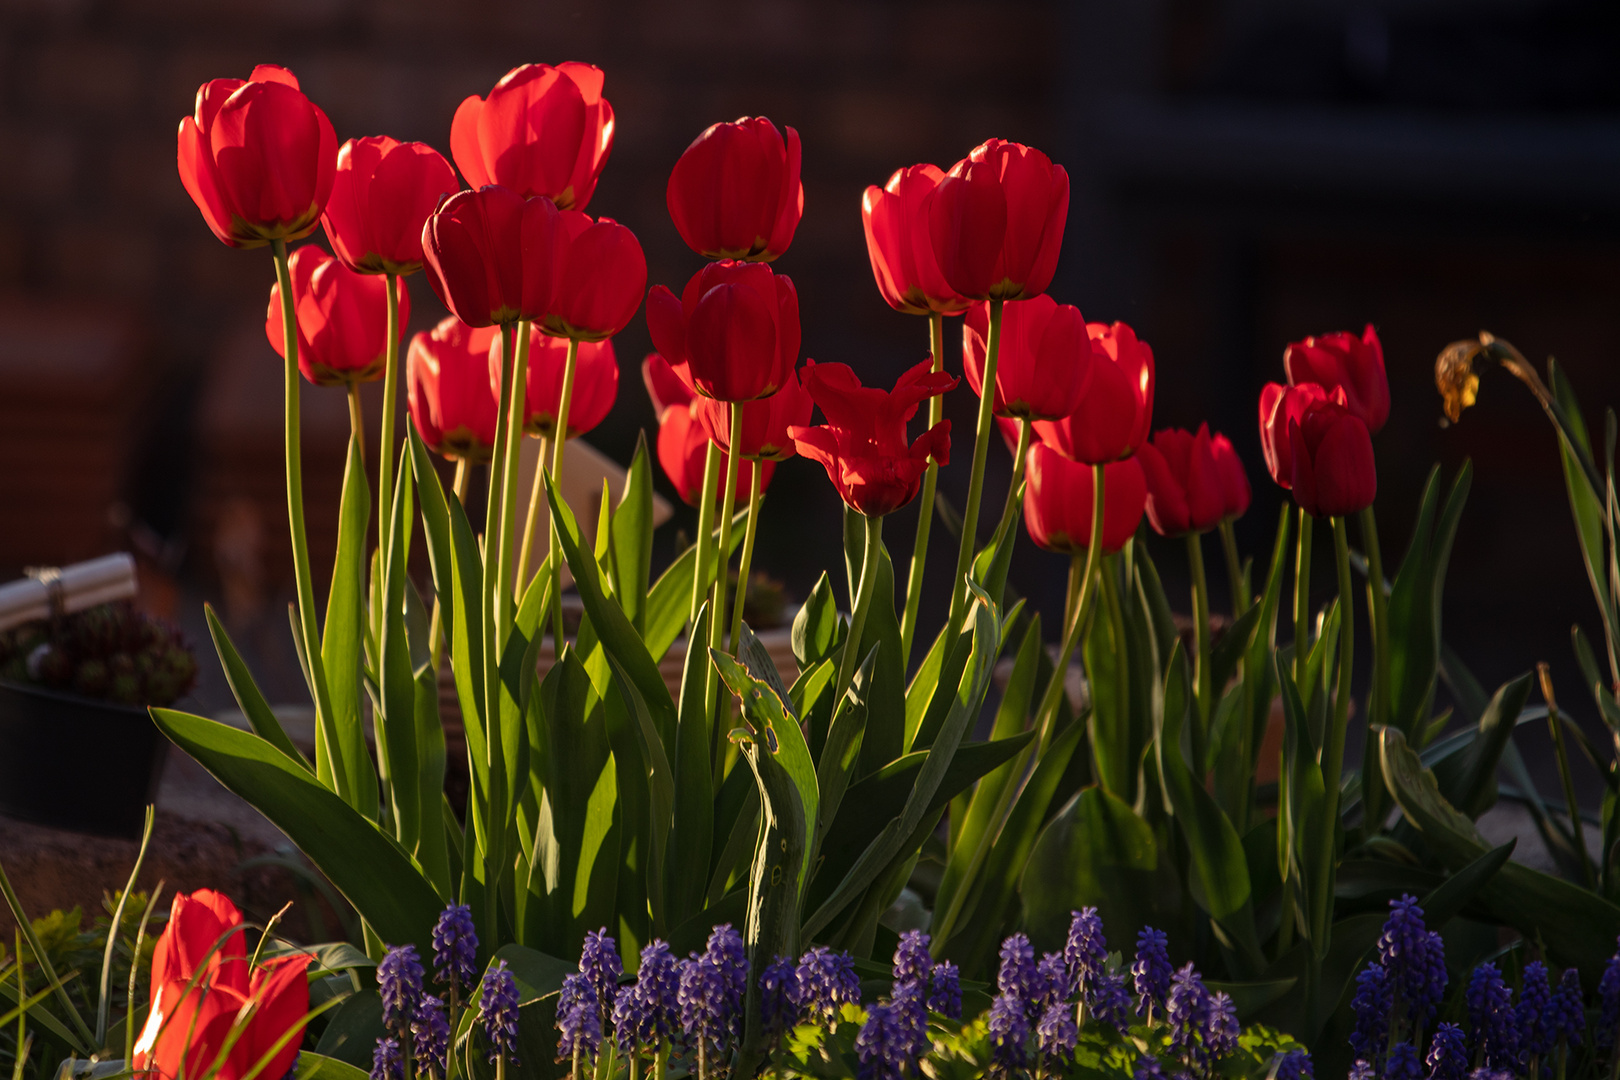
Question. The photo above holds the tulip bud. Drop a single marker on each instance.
(1043, 366)
(1058, 497)
(342, 319)
(448, 390)
(491, 255)
(258, 158)
(543, 130)
(1235, 492)
(996, 221)
(735, 328)
(1117, 410)
(599, 277)
(735, 192)
(1318, 448)
(900, 246)
(765, 421)
(1184, 486)
(382, 195)
(1341, 360)
(596, 383)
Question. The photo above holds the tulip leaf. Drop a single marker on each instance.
(669, 601)
(631, 549)
(311, 1065)
(885, 735)
(1577, 927)
(817, 629)
(692, 831)
(836, 763)
(248, 698)
(536, 973)
(466, 632)
(395, 716)
(352, 1033)
(1415, 602)
(340, 739)
(1468, 780)
(365, 865)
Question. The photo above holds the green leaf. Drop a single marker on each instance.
(836, 764)
(632, 539)
(659, 780)
(341, 646)
(1233, 646)
(435, 524)
(465, 625)
(252, 703)
(1577, 927)
(669, 602)
(1468, 780)
(395, 718)
(536, 973)
(365, 865)
(885, 735)
(352, 1033)
(817, 629)
(692, 832)
(1415, 603)
(316, 1066)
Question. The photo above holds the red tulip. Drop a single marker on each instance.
(257, 158)
(1184, 484)
(863, 443)
(1234, 480)
(596, 383)
(599, 276)
(1114, 416)
(683, 448)
(447, 387)
(543, 130)
(735, 327)
(1044, 364)
(1355, 365)
(188, 1024)
(381, 198)
(996, 221)
(491, 255)
(1058, 501)
(342, 319)
(902, 249)
(1318, 448)
(735, 192)
(765, 422)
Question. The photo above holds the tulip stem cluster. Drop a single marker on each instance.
(851, 656)
(1302, 606)
(558, 446)
(357, 419)
(1234, 568)
(385, 456)
(537, 492)
(728, 505)
(925, 505)
(705, 528)
(981, 452)
(1202, 673)
(745, 564)
(1333, 749)
(515, 378)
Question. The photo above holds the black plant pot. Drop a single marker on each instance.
(77, 763)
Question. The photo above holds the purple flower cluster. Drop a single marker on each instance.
(399, 981)
(1414, 960)
(1448, 1053)
(418, 1022)
(1371, 1006)
(1203, 1026)
(430, 1036)
(498, 999)
(1009, 1034)
(1609, 1000)
(1151, 971)
(827, 982)
(1491, 1016)
(945, 997)
(1086, 950)
(601, 967)
(647, 1012)
(455, 949)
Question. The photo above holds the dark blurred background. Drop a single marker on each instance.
(1245, 173)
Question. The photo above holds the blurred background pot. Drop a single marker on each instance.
(77, 763)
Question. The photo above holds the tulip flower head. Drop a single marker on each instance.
(491, 255)
(1184, 485)
(735, 327)
(381, 197)
(448, 389)
(683, 444)
(342, 319)
(599, 275)
(1043, 367)
(735, 192)
(1116, 412)
(901, 247)
(596, 383)
(1343, 361)
(765, 421)
(543, 130)
(1235, 491)
(190, 1025)
(258, 158)
(1058, 496)
(996, 221)
(1318, 448)
(863, 443)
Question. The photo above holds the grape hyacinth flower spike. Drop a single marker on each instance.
(1293, 1065)
(1609, 1000)
(430, 1037)
(827, 982)
(455, 951)
(1018, 976)
(1448, 1053)
(912, 961)
(399, 981)
(1009, 1035)
(1151, 971)
(946, 996)
(1057, 1035)
(646, 1014)
(1414, 962)
(1491, 1016)
(579, 1024)
(1086, 950)
(498, 1000)
(386, 1063)
(1371, 1006)
(599, 963)
(779, 998)
(886, 1045)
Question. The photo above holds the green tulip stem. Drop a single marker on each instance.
(537, 495)
(497, 464)
(559, 444)
(702, 543)
(1046, 714)
(357, 419)
(717, 626)
(747, 557)
(925, 504)
(1302, 606)
(851, 656)
(981, 451)
(1010, 511)
(515, 390)
(436, 627)
(1378, 605)
(385, 453)
(1203, 674)
(1234, 568)
(1333, 748)
(310, 631)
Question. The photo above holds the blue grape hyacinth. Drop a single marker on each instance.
(498, 1000)
(386, 1061)
(1403, 1063)
(1054, 981)
(430, 1036)
(1110, 1001)
(1294, 1065)
(1057, 1035)
(779, 996)
(1491, 1016)
(399, 981)
(1151, 971)
(1414, 960)
(1448, 1053)
(708, 1015)
(1371, 1006)
(455, 949)
(599, 963)
(913, 963)
(1017, 975)
(827, 982)
(1535, 995)
(647, 1012)
(1566, 1013)
(1086, 950)
(884, 1044)
(945, 997)
(1009, 1033)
